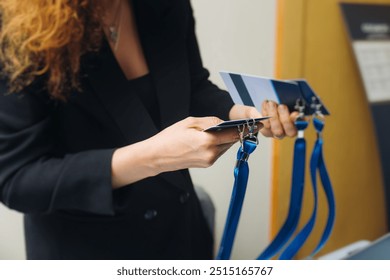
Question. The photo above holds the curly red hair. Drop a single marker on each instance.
(47, 37)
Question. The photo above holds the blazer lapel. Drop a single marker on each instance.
(131, 117)
(166, 57)
(125, 108)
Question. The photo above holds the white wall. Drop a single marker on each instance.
(11, 235)
(236, 35)
(239, 35)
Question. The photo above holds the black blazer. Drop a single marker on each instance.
(55, 157)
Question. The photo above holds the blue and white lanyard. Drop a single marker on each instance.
(280, 243)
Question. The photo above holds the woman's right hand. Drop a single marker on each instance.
(185, 144)
(179, 146)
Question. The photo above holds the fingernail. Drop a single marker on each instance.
(282, 108)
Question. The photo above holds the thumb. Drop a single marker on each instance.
(202, 123)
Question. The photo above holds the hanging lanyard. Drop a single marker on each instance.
(298, 181)
(304, 233)
(317, 164)
(241, 173)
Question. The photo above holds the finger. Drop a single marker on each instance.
(266, 132)
(266, 129)
(202, 123)
(294, 115)
(223, 148)
(264, 112)
(286, 121)
(225, 136)
(276, 126)
(215, 153)
(253, 113)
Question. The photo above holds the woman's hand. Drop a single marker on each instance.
(280, 124)
(185, 144)
(182, 145)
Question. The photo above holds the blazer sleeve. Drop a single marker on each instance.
(206, 98)
(32, 179)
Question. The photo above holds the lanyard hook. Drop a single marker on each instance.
(250, 136)
(251, 124)
(300, 106)
(300, 122)
(316, 105)
(318, 117)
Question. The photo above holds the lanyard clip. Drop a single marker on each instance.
(317, 105)
(248, 141)
(300, 106)
(318, 117)
(241, 135)
(300, 121)
(250, 136)
(251, 131)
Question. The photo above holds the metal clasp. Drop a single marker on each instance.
(300, 106)
(241, 135)
(316, 105)
(251, 131)
(250, 136)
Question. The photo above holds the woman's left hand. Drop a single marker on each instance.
(280, 123)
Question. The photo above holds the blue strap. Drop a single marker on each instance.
(327, 185)
(316, 163)
(241, 173)
(298, 179)
(304, 233)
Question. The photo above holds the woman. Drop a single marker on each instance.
(95, 138)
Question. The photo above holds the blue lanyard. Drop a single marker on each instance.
(316, 164)
(241, 173)
(319, 164)
(298, 181)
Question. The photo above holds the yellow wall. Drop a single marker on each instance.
(313, 44)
